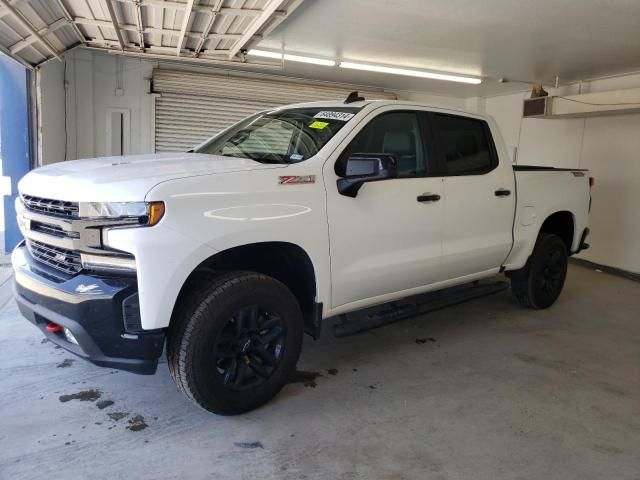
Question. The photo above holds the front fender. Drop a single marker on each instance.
(165, 258)
(208, 214)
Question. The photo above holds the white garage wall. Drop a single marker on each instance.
(96, 84)
(608, 146)
(51, 112)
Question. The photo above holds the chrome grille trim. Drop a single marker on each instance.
(49, 206)
(54, 230)
(58, 238)
(61, 259)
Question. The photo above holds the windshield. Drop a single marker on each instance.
(281, 136)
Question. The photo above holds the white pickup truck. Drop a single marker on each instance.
(229, 253)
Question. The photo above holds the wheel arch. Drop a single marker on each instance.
(286, 262)
(561, 223)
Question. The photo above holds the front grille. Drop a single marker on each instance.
(53, 230)
(60, 259)
(54, 207)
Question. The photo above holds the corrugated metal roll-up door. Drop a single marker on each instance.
(194, 106)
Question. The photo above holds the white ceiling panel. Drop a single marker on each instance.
(34, 31)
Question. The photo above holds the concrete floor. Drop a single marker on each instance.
(500, 392)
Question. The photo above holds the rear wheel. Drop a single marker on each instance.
(233, 345)
(539, 283)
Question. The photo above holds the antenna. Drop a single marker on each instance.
(354, 97)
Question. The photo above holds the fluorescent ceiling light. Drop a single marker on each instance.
(265, 54)
(292, 58)
(410, 73)
(314, 61)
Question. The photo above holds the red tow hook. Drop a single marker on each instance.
(53, 327)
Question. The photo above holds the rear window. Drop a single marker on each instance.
(464, 144)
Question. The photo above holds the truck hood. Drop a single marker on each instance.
(125, 178)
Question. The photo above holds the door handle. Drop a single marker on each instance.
(502, 192)
(428, 197)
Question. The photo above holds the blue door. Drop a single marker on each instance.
(15, 143)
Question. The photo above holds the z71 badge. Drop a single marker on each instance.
(296, 179)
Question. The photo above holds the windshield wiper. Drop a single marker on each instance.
(268, 160)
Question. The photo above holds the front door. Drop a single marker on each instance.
(388, 238)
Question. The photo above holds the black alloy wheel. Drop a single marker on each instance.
(249, 348)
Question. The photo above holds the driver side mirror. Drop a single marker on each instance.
(364, 167)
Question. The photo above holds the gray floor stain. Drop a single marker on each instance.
(67, 362)
(116, 416)
(249, 445)
(102, 404)
(608, 449)
(613, 389)
(83, 396)
(137, 423)
(308, 379)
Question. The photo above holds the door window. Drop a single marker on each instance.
(464, 144)
(396, 133)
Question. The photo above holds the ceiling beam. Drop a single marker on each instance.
(158, 31)
(27, 26)
(15, 57)
(267, 13)
(22, 44)
(101, 42)
(186, 52)
(139, 25)
(212, 18)
(69, 19)
(249, 12)
(242, 12)
(4, 11)
(280, 18)
(185, 24)
(114, 23)
(171, 58)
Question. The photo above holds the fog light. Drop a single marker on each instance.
(69, 336)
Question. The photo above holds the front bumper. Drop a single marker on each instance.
(91, 307)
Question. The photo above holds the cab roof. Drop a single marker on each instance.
(377, 103)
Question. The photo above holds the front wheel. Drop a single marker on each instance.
(233, 345)
(539, 283)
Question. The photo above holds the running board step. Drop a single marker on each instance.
(374, 317)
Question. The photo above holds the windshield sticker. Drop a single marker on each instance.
(341, 116)
(318, 125)
(296, 157)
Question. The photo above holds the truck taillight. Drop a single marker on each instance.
(592, 182)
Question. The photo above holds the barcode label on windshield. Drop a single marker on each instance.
(341, 116)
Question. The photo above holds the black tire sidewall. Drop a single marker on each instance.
(210, 317)
(547, 243)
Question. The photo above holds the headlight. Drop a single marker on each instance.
(116, 209)
(147, 213)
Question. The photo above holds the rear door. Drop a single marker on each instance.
(479, 195)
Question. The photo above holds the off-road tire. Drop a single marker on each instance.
(538, 284)
(197, 326)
